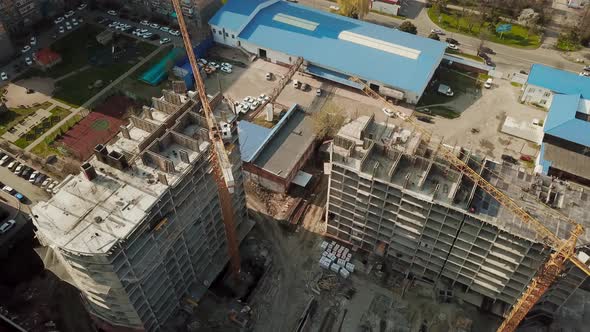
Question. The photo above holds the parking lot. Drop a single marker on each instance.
(32, 191)
(249, 79)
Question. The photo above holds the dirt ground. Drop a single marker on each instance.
(16, 92)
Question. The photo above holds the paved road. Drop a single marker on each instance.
(507, 59)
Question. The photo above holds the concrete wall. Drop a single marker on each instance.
(533, 94)
(224, 36)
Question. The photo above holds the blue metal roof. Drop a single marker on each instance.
(322, 46)
(562, 122)
(234, 14)
(252, 137)
(559, 81)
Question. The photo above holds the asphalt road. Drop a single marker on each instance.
(507, 59)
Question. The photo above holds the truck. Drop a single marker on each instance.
(445, 90)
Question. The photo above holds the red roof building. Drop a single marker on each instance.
(46, 58)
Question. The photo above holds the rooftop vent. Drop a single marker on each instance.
(89, 171)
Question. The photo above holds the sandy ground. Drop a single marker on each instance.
(16, 93)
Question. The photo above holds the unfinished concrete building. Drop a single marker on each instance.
(390, 194)
(140, 229)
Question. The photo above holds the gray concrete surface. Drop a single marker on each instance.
(30, 191)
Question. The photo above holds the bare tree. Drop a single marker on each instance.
(354, 8)
(328, 121)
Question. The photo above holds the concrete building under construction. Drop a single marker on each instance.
(390, 194)
(140, 229)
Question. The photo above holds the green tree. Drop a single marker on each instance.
(354, 8)
(434, 36)
(328, 121)
(408, 27)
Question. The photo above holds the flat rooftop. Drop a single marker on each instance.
(401, 158)
(91, 216)
(278, 150)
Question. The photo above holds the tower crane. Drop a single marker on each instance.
(564, 250)
(222, 168)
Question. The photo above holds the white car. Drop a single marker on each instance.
(154, 26)
(144, 22)
(61, 29)
(226, 70)
(74, 22)
(254, 105)
(68, 26)
(334, 7)
(203, 61)
(28, 61)
(388, 112)
(26, 49)
(3, 76)
(33, 176)
(452, 47)
(147, 35)
(437, 31)
(4, 160)
(585, 73)
(112, 13)
(82, 6)
(165, 29)
(214, 64)
(33, 41)
(225, 64)
(164, 41)
(488, 83)
(50, 187)
(69, 14)
(58, 20)
(46, 183)
(174, 32)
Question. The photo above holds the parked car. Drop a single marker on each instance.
(112, 13)
(6, 226)
(33, 41)
(445, 90)
(26, 49)
(12, 165)
(155, 26)
(487, 50)
(509, 159)
(58, 20)
(585, 73)
(19, 169)
(318, 92)
(33, 176)
(61, 29)
(164, 28)
(144, 22)
(524, 72)
(488, 83)
(164, 41)
(388, 112)
(69, 14)
(437, 31)
(82, 6)
(26, 172)
(453, 47)
(226, 70)
(254, 105)
(304, 86)
(8, 189)
(4, 160)
(4, 76)
(452, 41)
(268, 76)
(28, 61)
(296, 84)
(46, 182)
(40, 178)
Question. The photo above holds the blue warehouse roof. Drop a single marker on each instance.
(338, 43)
(559, 81)
(562, 122)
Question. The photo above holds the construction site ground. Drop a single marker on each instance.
(484, 111)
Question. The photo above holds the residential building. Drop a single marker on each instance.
(565, 151)
(140, 229)
(394, 63)
(389, 193)
(273, 158)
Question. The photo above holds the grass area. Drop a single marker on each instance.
(47, 147)
(387, 14)
(518, 85)
(568, 44)
(519, 36)
(57, 115)
(15, 115)
(465, 55)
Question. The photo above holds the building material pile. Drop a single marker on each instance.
(336, 257)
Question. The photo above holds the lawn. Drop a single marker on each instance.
(517, 37)
(15, 115)
(465, 55)
(47, 147)
(57, 114)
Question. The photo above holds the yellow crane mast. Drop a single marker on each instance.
(564, 249)
(222, 167)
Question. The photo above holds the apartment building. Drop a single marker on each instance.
(140, 229)
(390, 194)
